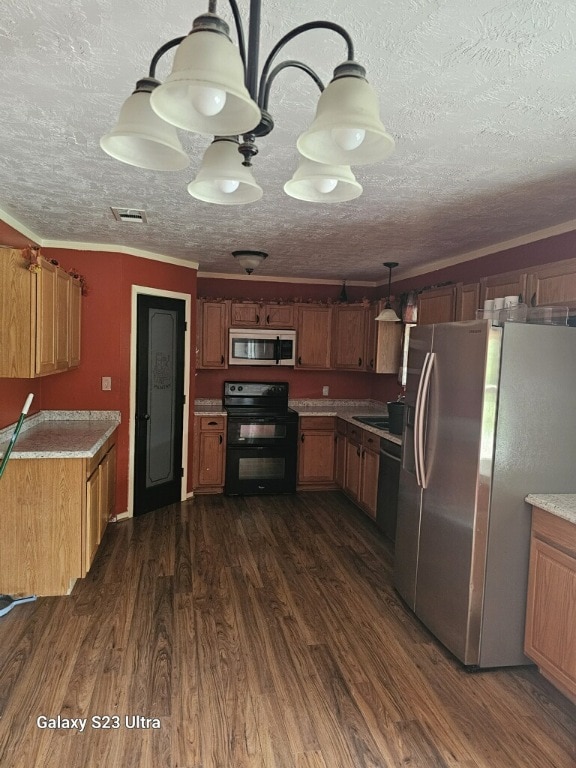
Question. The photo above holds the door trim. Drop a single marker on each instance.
(139, 290)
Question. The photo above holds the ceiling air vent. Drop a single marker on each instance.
(129, 214)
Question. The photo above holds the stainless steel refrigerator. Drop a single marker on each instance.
(490, 416)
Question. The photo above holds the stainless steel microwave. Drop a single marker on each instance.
(258, 346)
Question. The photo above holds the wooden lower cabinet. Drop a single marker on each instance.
(54, 512)
(209, 454)
(551, 605)
(316, 453)
(362, 464)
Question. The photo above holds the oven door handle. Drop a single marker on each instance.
(277, 350)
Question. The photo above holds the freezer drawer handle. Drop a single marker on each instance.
(421, 403)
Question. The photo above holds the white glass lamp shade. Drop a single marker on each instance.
(142, 139)
(347, 129)
(320, 183)
(222, 179)
(387, 315)
(205, 91)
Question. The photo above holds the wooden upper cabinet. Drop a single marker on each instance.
(437, 305)
(212, 334)
(313, 336)
(505, 284)
(467, 301)
(39, 317)
(349, 336)
(248, 314)
(553, 284)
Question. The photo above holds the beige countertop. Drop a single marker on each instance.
(345, 409)
(559, 504)
(61, 434)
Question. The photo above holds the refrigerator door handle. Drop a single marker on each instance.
(421, 403)
(417, 418)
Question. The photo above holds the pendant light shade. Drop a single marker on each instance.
(387, 314)
(205, 91)
(320, 183)
(141, 138)
(347, 129)
(222, 179)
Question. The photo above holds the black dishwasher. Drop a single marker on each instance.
(388, 479)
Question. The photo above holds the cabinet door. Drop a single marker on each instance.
(212, 334)
(210, 454)
(316, 451)
(551, 614)
(353, 469)
(17, 309)
(62, 320)
(554, 284)
(45, 331)
(340, 460)
(279, 315)
(349, 337)
(313, 336)
(246, 314)
(369, 481)
(505, 284)
(437, 305)
(388, 347)
(467, 301)
(93, 518)
(75, 322)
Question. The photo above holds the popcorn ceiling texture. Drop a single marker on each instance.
(480, 97)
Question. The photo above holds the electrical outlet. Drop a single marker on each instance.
(325, 391)
(106, 383)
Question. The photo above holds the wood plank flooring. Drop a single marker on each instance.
(257, 632)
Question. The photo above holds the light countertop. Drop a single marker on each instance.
(344, 409)
(61, 434)
(559, 504)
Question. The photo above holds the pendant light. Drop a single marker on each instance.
(250, 259)
(388, 314)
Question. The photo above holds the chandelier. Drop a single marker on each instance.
(215, 89)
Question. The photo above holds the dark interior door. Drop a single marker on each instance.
(159, 402)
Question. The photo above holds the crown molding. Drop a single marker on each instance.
(276, 279)
(112, 248)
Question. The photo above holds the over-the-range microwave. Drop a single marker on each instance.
(258, 346)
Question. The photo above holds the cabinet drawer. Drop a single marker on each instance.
(212, 423)
(93, 462)
(370, 440)
(354, 433)
(317, 422)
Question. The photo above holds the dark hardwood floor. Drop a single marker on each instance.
(257, 632)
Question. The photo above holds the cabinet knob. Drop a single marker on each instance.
(220, 439)
(302, 438)
(359, 361)
(299, 361)
(257, 319)
(222, 359)
(267, 319)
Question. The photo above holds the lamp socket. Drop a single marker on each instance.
(106, 383)
(325, 391)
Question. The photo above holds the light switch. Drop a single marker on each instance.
(325, 391)
(106, 382)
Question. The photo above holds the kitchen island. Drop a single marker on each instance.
(551, 605)
(57, 495)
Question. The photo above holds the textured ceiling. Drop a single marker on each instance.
(479, 96)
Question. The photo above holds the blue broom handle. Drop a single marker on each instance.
(16, 432)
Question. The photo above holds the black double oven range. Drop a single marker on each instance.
(262, 432)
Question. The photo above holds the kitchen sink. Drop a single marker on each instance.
(380, 421)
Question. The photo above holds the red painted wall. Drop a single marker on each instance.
(106, 330)
(106, 321)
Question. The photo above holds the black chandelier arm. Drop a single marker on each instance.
(239, 31)
(161, 51)
(290, 36)
(288, 63)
